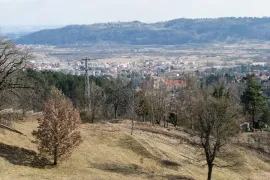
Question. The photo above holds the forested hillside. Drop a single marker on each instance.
(178, 31)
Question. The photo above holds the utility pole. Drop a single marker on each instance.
(87, 84)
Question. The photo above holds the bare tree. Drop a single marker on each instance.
(142, 104)
(132, 108)
(96, 100)
(57, 133)
(215, 124)
(117, 95)
(159, 101)
(185, 97)
(12, 61)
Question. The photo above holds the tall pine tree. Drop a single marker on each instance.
(254, 101)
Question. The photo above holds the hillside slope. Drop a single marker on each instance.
(110, 152)
(178, 31)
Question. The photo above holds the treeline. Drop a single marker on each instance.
(72, 86)
(117, 98)
(108, 97)
(178, 31)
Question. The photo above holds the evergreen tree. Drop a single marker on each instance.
(253, 100)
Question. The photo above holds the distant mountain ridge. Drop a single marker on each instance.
(178, 31)
(15, 32)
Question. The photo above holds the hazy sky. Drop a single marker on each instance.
(62, 12)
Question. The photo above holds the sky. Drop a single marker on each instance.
(64, 12)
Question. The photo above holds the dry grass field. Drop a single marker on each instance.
(110, 152)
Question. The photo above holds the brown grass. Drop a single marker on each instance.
(109, 152)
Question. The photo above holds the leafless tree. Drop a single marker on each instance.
(12, 61)
(142, 104)
(184, 98)
(57, 133)
(96, 100)
(159, 101)
(132, 108)
(117, 95)
(215, 124)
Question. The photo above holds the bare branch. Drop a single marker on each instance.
(12, 60)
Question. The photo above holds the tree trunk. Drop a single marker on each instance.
(177, 123)
(132, 126)
(55, 156)
(115, 112)
(24, 112)
(253, 120)
(92, 117)
(164, 120)
(210, 169)
(192, 124)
